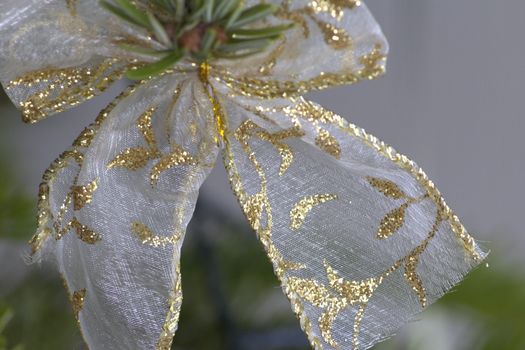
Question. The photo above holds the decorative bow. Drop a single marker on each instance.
(359, 237)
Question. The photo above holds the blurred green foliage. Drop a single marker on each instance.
(16, 209)
(496, 300)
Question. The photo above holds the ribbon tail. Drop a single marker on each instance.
(115, 207)
(359, 237)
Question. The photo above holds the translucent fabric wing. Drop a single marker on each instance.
(333, 42)
(360, 238)
(55, 54)
(114, 210)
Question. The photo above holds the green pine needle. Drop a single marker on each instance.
(156, 68)
(197, 29)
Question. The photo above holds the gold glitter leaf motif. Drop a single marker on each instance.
(355, 292)
(138, 157)
(337, 296)
(412, 261)
(250, 129)
(301, 209)
(146, 236)
(84, 233)
(45, 216)
(83, 195)
(178, 156)
(413, 279)
(311, 291)
(77, 300)
(392, 222)
(146, 128)
(372, 67)
(395, 219)
(336, 37)
(132, 158)
(328, 143)
(387, 187)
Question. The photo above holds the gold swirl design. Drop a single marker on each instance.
(301, 209)
(146, 236)
(176, 157)
(135, 158)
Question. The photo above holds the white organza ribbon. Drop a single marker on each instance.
(359, 237)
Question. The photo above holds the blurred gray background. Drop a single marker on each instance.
(452, 100)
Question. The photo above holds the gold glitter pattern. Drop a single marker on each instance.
(135, 158)
(267, 67)
(77, 300)
(176, 157)
(132, 158)
(319, 114)
(336, 37)
(333, 7)
(146, 128)
(204, 76)
(172, 319)
(373, 66)
(337, 296)
(395, 219)
(392, 222)
(146, 236)
(328, 143)
(84, 233)
(250, 129)
(59, 89)
(339, 293)
(386, 187)
(301, 209)
(85, 138)
(45, 215)
(254, 208)
(83, 195)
